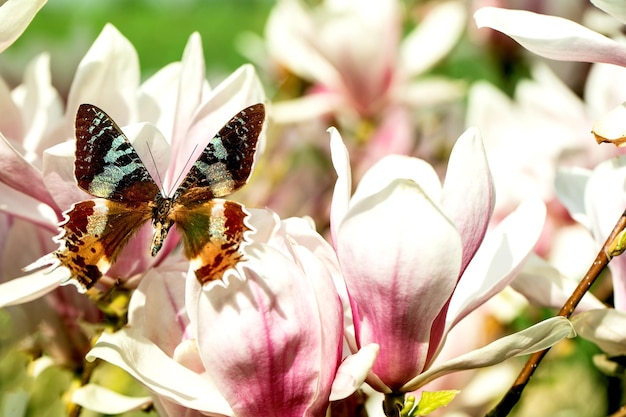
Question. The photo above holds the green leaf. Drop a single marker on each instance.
(431, 401)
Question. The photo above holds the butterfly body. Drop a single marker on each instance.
(108, 167)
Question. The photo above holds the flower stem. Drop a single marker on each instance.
(603, 258)
(393, 404)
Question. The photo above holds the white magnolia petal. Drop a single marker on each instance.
(570, 184)
(544, 285)
(157, 98)
(15, 16)
(433, 38)
(306, 108)
(501, 254)
(616, 8)
(107, 76)
(552, 37)
(103, 400)
(151, 366)
(30, 287)
(533, 339)
(611, 127)
(604, 327)
(393, 167)
(343, 186)
(353, 371)
(468, 195)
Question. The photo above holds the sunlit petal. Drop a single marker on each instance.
(15, 16)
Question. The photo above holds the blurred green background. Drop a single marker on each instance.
(158, 29)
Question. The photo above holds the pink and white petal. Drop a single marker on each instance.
(11, 124)
(343, 186)
(394, 167)
(241, 89)
(157, 98)
(397, 248)
(32, 286)
(543, 285)
(428, 91)
(158, 308)
(41, 107)
(161, 374)
(352, 372)
(103, 400)
(58, 175)
(498, 259)
(533, 339)
(15, 16)
(286, 362)
(23, 243)
(552, 37)
(292, 40)
(468, 195)
(615, 8)
(20, 175)
(433, 38)
(107, 76)
(21, 206)
(604, 327)
(306, 108)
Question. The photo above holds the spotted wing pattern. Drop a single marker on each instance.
(106, 164)
(225, 164)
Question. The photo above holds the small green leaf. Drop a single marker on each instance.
(431, 401)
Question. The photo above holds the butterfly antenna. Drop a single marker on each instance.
(184, 170)
(156, 168)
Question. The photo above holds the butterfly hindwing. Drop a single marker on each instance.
(226, 162)
(94, 233)
(212, 233)
(107, 165)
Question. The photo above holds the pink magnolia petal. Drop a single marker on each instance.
(353, 371)
(343, 186)
(604, 327)
(103, 400)
(401, 259)
(468, 195)
(433, 38)
(15, 16)
(287, 341)
(18, 174)
(533, 339)
(552, 37)
(108, 76)
(498, 259)
(162, 375)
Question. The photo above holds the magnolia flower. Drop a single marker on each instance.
(561, 39)
(180, 114)
(15, 16)
(417, 258)
(267, 340)
(355, 56)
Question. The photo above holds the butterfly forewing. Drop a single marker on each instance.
(107, 165)
(225, 164)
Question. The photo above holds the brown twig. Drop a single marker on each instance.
(514, 393)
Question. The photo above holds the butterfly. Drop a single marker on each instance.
(108, 167)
